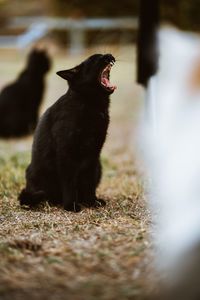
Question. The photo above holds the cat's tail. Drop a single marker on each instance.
(31, 199)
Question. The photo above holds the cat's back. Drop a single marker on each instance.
(51, 116)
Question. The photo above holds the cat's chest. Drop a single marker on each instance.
(97, 122)
(93, 129)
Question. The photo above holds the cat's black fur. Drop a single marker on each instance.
(20, 101)
(65, 167)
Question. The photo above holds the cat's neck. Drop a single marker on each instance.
(100, 101)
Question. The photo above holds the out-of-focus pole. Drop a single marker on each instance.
(147, 55)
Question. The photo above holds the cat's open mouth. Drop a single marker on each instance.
(105, 78)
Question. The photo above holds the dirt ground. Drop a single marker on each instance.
(103, 253)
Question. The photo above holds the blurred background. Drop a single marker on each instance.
(25, 22)
(68, 24)
(181, 12)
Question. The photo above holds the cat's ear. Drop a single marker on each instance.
(68, 74)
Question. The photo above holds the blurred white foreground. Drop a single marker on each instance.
(172, 154)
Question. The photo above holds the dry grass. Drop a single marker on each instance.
(49, 253)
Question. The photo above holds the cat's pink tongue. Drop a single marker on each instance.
(106, 82)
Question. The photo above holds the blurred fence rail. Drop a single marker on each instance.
(38, 27)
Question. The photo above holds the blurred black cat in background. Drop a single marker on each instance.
(20, 101)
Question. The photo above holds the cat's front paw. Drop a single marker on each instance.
(73, 207)
(95, 203)
(99, 203)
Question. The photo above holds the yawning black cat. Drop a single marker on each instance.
(20, 101)
(65, 167)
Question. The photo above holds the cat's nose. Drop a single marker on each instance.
(109, 58)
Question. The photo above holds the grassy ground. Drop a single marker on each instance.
(49, 253)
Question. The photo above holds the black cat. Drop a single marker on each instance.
(65, 167)
(20, 101)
